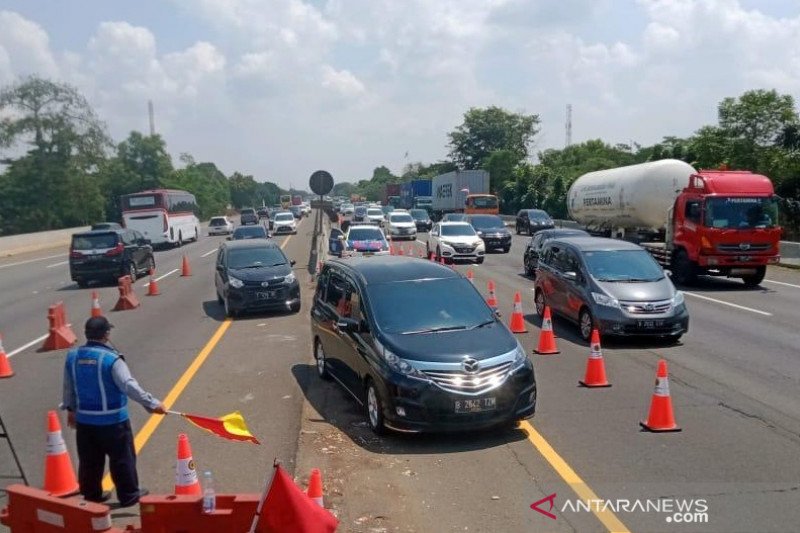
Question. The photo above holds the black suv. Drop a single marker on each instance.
(493, 231)
(421, 219)
(254, 274)
(532, 220)
(416, 344)
(249, 216)
(105, 255)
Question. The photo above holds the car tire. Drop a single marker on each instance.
(151, 265)
(82, 283)
(374, 409)
(479, 260)
(321, 361)
(585, 324)
(539, 302)
(684, 271)
(506, 250)
(132, 272)
(180, 239)
(295, 307)
(220, 301)
(196, 234)
(229, 312)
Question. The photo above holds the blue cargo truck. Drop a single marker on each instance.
(416, 194)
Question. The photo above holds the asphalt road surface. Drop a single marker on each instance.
(734, 383)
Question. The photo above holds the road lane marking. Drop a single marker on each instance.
(167, 274)
(57, 264)
(783, 283)
(31, 261)
(723, 302)
(209, 252)
(572, 479)
(153, 422)
(12, 353)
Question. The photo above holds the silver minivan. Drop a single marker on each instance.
(613, 285)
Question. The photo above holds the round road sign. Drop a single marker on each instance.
(321, 182)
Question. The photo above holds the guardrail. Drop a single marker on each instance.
(33, 242)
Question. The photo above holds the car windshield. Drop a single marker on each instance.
(283, 217)
(217, 222)
(483, 222)
(99, 241)
(622, 265)
(365, 234)
(484, 202)
(250, 232)
(387, 209)
(458, 230)
(419, 214)
(538, 215)
(425, 306)
(402, 217)
(741, 213)
(248, 212)
(374, 213)
(453, 217)
(255, 257)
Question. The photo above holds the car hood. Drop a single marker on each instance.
(283, 222)
(452, 346)
(260, 274)
(646, 291)
(462, 239)
(402, 224)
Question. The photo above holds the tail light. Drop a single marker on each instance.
(117, 250)
(75, 255)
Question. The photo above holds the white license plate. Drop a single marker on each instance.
(267, 295)
(475, 405)
(650, 324)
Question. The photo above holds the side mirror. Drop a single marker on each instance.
(497, 313)
(220, 268)
(292, 262)
(571, 276)
(668, 273)
(348, 325)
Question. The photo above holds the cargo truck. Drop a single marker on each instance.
(706, 222)
(462, 191)
(414, 192)
(391, 194)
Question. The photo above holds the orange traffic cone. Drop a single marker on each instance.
(547, 340)
(59, 476)
(185, 474)
(5, 365)
(96, 311)
(152, 287)
(492, 299)
(315, 487)
(595, 366)
(517, 324)
(185, 269)
(400, 250)
(661, 417)
(471, 276)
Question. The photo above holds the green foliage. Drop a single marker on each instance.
(486, 130)
(209, 186)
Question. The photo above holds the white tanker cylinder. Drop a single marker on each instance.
(632, 197)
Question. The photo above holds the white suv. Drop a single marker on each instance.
(455, 240)
(401, 225)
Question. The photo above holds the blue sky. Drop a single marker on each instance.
(280, 88)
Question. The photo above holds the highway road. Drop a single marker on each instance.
(734, 383)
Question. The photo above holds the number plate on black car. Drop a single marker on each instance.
(649, 324)
(269, 295)
(476, 405)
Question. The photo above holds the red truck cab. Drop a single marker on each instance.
(725, 223)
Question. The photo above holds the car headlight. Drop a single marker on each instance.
(291, 278)
(480, 233)
(402, 366)
(678, 299)
(236, 283)
(604, 299)
(447, 243)
(520, 357)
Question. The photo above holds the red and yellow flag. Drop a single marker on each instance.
(230, 426)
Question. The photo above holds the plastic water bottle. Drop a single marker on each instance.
(209, 496)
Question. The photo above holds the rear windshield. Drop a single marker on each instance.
(255, 257)
(360, 211)
(419, 214)
(95, 242)
(250, 232)
(365, 234)
(374, 213)
(457, 230)
(217, 222)
(248, 212)
(451, 217)
(402, 217)
(284, 216)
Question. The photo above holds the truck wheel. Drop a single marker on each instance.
(756, 279)
(684, 271)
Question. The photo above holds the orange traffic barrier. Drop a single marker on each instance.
(517, 324)
(186, 481)
(661, 417)
(595, 365)
(127, 298)
(184, 513)
(186, 270)
(315, 487)
(492, 299)
(61, 335)
(471, 276)
(59, 476)
(31, 510)
(547, 340)
(152, 287)
(96, 311)
(5, 364)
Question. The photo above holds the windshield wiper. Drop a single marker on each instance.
(482, 324)
(435, 330)
(250, 266)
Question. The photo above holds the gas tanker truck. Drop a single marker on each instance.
(706, 222)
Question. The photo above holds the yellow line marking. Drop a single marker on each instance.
(153, 422)
(572, 479)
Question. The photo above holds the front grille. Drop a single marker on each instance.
(270, 283)
(735, 248)
(459, 381)
(463, 249)
(646, 308)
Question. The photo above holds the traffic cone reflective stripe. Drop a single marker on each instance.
(595, 366)
(96, 311)
(492, 299)
(661, 417)
(185, 268)
(59, 476)
(186, 481)
(517, 324)
(547, 340)
(5, 364)
(315, 487)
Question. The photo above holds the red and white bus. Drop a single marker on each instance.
(164, 216)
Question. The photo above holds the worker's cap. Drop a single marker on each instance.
(97, 326)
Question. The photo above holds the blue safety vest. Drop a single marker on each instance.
(99, 402)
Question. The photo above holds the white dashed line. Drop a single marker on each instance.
(57, 264)
(209, 252)
(31, 261)
(12, 353)
(729, 304)
(165, 275)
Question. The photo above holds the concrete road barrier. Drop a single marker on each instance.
(33, 242)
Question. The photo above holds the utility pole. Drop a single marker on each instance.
(569, 126)
(152, 117)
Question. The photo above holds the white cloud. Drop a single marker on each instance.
(24, 48)
(341, 81)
